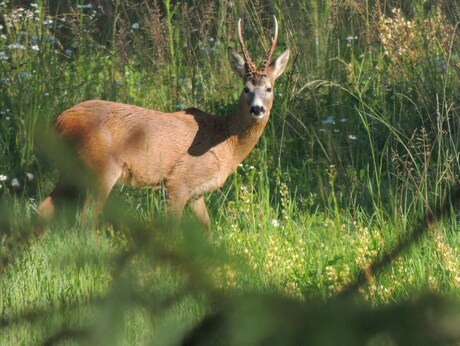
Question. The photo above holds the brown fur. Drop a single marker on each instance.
(191, 152)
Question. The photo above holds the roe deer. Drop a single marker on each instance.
(191, 152)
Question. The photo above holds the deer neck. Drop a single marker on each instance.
(244, 130)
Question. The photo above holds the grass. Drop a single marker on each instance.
(362, 142)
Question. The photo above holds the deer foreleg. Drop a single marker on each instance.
(198, 208)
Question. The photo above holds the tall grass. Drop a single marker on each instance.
(362, 142)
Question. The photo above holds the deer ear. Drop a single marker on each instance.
(277, 66)
(237, 63)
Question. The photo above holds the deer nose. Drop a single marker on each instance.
(257, 110)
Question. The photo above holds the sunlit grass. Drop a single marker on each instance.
(362, 141)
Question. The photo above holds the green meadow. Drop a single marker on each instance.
(340, 227)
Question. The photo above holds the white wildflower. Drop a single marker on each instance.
(16, 46)
(275, 223)
(85, 6)
(328, 121)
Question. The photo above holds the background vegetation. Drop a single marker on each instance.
(361, 148)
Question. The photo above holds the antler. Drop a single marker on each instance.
(268, 56)
(251, 67)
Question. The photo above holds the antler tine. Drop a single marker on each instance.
(248, 61)
(268, 56)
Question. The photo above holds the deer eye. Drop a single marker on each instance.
(246, 90)
(269, 90)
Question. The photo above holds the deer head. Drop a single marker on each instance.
(257, 93)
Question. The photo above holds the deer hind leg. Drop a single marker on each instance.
(98, 194)
(63, 193)
(47, 208)
(198, 208)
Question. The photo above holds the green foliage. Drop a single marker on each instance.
(362, 142)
